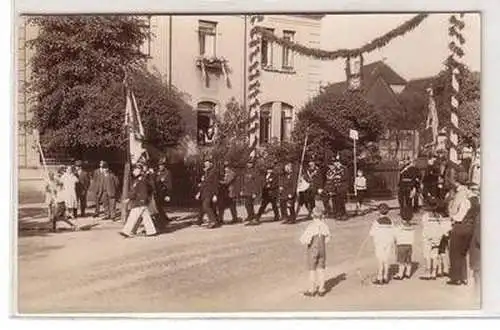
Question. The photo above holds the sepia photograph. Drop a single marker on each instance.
(247, 163)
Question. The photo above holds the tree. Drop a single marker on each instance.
(328, 118)
(78, 67)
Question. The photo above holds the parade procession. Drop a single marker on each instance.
(219, 185)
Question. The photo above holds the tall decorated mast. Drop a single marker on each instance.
(457, 41)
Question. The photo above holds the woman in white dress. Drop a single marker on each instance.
(68, 191)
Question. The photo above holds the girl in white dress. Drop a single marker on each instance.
(68, 192)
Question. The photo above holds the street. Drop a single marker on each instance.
(231, 269)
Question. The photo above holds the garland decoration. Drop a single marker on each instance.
(254, 82)
(341, 53)
(455, 66)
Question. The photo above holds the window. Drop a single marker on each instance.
(207, 32)
(287, 52)
(265, 123)
(267, 52)
(205, 123)
(286, 122)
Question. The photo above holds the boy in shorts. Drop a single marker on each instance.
(405, 237)
(315, 237)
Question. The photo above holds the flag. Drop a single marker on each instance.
(135, 129)
(432, 119)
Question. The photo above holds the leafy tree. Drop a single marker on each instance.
(328, 118)
(78, 96)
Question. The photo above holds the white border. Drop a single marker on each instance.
(490, 107)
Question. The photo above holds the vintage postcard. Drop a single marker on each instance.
(247, 162)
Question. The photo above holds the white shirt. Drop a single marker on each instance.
(461, 204)
(405, 235)
(360, 183)
(316, 227)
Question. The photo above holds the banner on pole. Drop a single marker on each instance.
(353, 134)
(135, 129)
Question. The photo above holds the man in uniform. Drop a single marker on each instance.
(287, 195)
(408, 182)
(430, 180)
(341, 188)
(163, 188)
(227, 194)
(207, 194)
(270, 192)
(312, 176)
(250, 189)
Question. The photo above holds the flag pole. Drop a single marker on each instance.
(126, 169)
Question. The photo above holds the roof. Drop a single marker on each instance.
(371, 72)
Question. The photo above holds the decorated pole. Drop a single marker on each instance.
(456, 53)
(254, 82)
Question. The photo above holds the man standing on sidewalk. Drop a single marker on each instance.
(163, 188)
(98, 186)
(250, 189)
(82, 186)
(110, 192)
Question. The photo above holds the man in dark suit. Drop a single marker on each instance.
(313, 176)
(287, 194)
(227, 194)
(97, 186)
(270, 192)
(207, 194)
(110, 192)
(82, 186)
(250, 189)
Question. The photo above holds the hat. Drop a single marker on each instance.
(383, 208)
(79, 163)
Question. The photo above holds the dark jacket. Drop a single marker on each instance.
(140, 193)
(97, 182)
(409, 177)
(83, 183)
(209, 184)
(336, 180)
(229, 182)
(314, 178)
(288, 184)
(110, 182)
(251, 182)
(163, 182)
(270, 185)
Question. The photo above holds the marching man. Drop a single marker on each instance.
(207, 195)
(287, 195)
(139, 197)
(270, 192)
(250, 189)
(312, 176)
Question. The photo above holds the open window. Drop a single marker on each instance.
(265, 123)
(206, 123)
(286, 122)
(207, 32)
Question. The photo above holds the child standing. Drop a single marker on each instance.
(432, 234)
(360, 188)
(315, 237)
(382, 232)
(405, 237)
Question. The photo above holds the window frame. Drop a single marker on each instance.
(203, 33)
(204, 109)
(287, 53)
(265, 132)
(269, 51)
(286, 118)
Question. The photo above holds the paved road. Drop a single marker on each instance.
(231, 269)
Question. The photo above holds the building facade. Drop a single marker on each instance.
(206, 57)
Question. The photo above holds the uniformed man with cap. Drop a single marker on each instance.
(270, 193)
(250, 189)
(163, 188)
(408, 184)
(288, 194)
(207, 194)
(313, 176)
(227, 194)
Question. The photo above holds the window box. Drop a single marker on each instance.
(215, 65)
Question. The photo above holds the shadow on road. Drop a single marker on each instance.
(32, 212)
(334, 281)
